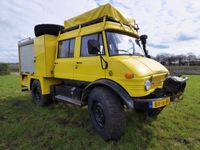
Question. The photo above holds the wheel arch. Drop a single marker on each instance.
(31, 82)
(45, 83)
(112, 85)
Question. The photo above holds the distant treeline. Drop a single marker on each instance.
(189, 59)
(4, 69)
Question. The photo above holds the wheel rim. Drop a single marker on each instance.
(99, 114)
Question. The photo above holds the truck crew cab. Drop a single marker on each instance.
(96, 59)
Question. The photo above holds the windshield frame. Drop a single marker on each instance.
(123, 33)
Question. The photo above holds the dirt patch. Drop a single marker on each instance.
(64, 122)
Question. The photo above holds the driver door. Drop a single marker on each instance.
(88, 66)
(64, 64)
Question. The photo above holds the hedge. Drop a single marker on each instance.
(4, 69)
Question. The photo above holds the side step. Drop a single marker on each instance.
(67, 99)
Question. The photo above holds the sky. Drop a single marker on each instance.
(172, 26)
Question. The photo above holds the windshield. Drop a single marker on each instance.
(121, 44)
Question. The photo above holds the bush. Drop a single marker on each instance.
(4, 69)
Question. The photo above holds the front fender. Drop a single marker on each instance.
(121, 92)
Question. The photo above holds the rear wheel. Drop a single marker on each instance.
(37, 97)
(106, 112)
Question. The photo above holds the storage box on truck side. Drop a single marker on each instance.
(44, 55)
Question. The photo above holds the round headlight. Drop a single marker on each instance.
(147, 85)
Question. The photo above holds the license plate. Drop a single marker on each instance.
(159, 103)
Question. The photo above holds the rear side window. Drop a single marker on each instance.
(84, 43)
(66, 48)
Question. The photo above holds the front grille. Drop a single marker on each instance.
(157, 81)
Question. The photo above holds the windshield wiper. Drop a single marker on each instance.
(124, 51)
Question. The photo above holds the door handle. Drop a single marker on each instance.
(34, 59)
(55, 63)
(78, 62)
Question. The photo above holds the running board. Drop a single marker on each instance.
(69, 100)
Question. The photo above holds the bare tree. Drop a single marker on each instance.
(182, 59)
(191, 58)
(171, 59)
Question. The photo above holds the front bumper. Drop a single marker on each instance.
(172, 90)
(151, 103)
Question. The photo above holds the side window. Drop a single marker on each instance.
(66, 48)
(84, 43)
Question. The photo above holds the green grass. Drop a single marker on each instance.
(60, 126)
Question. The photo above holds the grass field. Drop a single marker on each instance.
(60, 126)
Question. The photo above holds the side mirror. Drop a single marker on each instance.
(143, 39)
(93, 47)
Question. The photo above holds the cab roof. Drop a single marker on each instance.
(106, 10)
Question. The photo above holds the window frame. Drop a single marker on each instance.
(89, 35)
(58, 52)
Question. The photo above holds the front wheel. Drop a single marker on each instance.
(106, 112)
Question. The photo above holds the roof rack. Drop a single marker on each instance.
(98, 20)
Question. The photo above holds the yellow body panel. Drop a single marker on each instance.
(44, 82)
(44, 55)
(120, 65)
(90, 69)
(121, 28)
(24, 80)
(64, 68)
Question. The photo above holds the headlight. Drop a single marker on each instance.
(147, 85)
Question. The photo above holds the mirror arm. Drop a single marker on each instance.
(145, 51)
(144, 48)
(103, 60)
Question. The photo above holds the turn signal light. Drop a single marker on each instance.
(129, 75)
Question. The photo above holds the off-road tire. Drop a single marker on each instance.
(37, 97)
(51, 29)
(113, 112)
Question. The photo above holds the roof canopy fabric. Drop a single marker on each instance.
(104, 10)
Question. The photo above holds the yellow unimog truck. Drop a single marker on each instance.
(96, 59)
